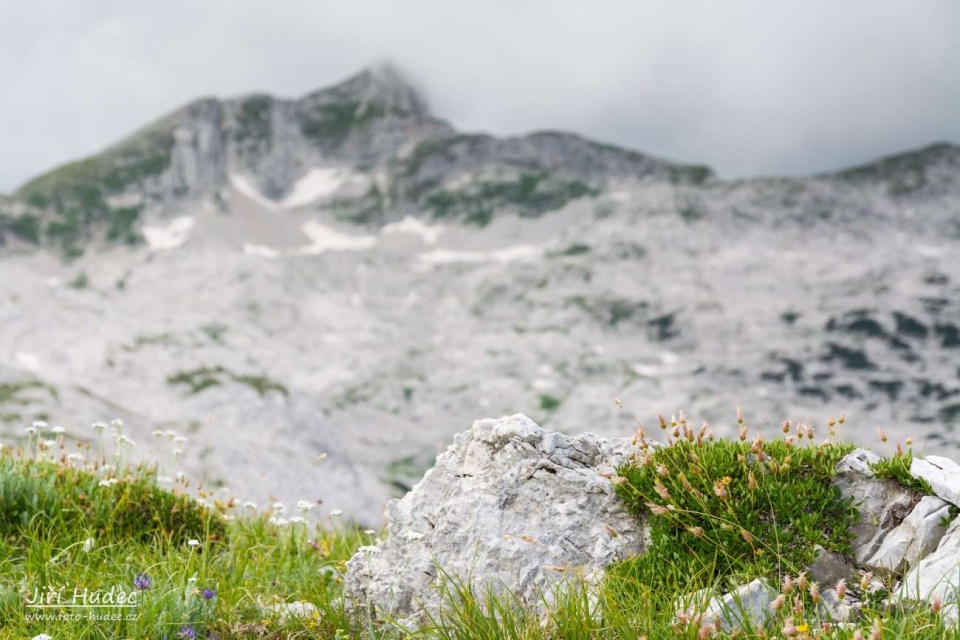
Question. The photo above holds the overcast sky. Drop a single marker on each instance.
(751, 88)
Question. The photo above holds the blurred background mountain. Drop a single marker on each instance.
(349, 273)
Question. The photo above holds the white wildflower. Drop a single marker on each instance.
(179, 439)
(164, 479)
(107, 482)
(193, 542)
(322, 456)
(75, 457)
(125, 441)
(369, 549)
(30, 430)
(336, 513)
(42, 636)
(297, 520)
(250, 506)
(280, 522)
(117, 423)
(98, 427)
(304, 506)
(278, 508)
(88, 545)
(157, 433)
(411, 535)
(39, 424)
(229, 517)
(46, 444)
(170, 433)
(58, 430)
(369, 532)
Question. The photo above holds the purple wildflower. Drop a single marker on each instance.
(142, 581)
(187, 632)
(208, 594)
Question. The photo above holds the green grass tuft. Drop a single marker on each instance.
(40, 497)
(730, 511)
(897, 468)
(190, 569)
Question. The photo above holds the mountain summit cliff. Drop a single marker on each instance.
(374, 127)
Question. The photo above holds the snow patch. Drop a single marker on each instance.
(171, 236)
(324, 238)
(645, 370)
(668, 357)
(543, 384)
(260, 251)
(315, 184)
(928, 251)
(410, 225)
(520, 253)
(245, 187)
(27, 360)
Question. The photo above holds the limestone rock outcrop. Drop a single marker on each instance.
(508, 506)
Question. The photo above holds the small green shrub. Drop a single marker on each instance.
(549, 403)
(80, 281)
(329, 124)
(202, 378)
(575, 249)
(26, 227)
(121, 225)
(12, 392)
(254, 128)
(532, 194)
(730, 511)
(897, 468)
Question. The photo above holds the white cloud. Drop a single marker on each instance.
(751, 87)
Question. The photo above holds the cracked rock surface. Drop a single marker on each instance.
(509, 505)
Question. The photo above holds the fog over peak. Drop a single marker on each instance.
(751, 88)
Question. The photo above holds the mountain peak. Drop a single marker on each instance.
(932, 168)
(382, 86)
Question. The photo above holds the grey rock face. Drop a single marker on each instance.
(508, 506)
(938, 574)
(749, 602)
(943, 474)
(829, 568)
(914, 538)
(839, 609)
(882, 504)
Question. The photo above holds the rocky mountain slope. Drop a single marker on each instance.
(346, 273)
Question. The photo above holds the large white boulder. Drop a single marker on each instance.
(915, 537)
(882, 504)
(508, 506)
(943, 474)
(937, 576)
